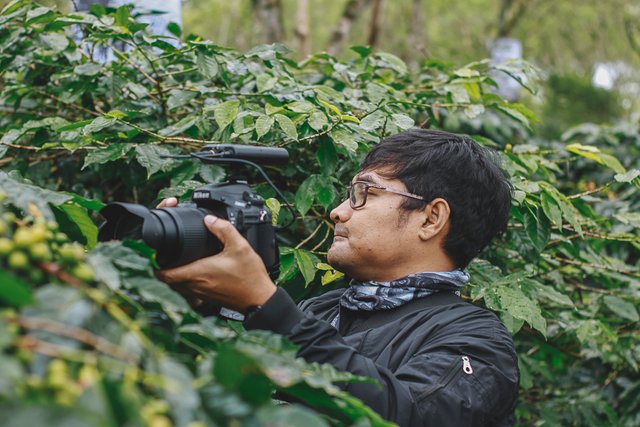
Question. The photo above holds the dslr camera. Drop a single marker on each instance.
(178, 234)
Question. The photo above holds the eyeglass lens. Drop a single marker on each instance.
(358, 194)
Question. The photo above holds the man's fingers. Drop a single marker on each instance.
(169, 202)
(228, 235)
(183, 273)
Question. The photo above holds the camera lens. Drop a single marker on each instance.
(177, 234)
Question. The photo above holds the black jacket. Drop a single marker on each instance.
(450, 364)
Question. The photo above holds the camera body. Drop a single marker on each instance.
(179, 235)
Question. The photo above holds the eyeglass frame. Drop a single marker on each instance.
(369, 185)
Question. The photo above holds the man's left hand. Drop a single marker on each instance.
(235, 277)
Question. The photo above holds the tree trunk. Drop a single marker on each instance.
(352, 11)
(376, 21)
(511, 12)
(302, 28)
(417, 32)
(268, 18)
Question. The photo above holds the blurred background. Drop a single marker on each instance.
(588, 50)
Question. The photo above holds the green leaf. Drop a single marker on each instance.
(179, 98)
(288, 267)
(305, 264)
(22, 194)
(112, 152)
(287, 126)
(318, 120)
(474, 110)
(265, 82)
(226, 112)
(515, 114)
(344, 138)
(122, 16)
(300, 107)
(325, 192)
(517, 304)
(627, 177)
(104, 270)
(154, 290)
(79, 216)
(402, 121)
(466, 72)
(73, 126)
(327, 157)
(98, 124)
(393, 62)
(547, 293)
(274, 207)
(181, 126)
(622, 308)
(207, 65)
(88, 69)
(538, 228)
(594, 153)
(305, 196)
(14, 291)
(363, 51)
(55, 41)
(551, 208)
(148, 156)
(330, 276)
(174, 29)
(263, 125)
(289, 415)
(11, 136)
(459, 95)
(374, 121)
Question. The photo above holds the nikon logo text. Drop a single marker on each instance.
(201, 195)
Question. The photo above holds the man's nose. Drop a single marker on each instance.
(342, 212)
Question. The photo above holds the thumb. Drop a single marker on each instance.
(223, 230)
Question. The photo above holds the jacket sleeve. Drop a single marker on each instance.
(430, 390)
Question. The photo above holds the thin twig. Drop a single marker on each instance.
(324, 239)
(68, 104)
(78, 334)
(595, 190)
(590, 265)
(301, 244)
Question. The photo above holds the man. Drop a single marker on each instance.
(422, 206)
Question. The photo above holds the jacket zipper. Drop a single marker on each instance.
(466, 365)
(452, 372)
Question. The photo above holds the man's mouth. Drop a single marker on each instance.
(340, 231)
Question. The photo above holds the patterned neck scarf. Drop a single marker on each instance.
(369, 296)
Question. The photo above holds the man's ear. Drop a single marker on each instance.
(435, 219)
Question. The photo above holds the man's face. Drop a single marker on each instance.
(377, 240)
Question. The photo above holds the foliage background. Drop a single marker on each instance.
(93, 338)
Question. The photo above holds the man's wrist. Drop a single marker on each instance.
(278, 314)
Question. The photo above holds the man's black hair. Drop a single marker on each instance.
(454, 167)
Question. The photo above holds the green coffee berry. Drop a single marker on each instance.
(18, 260)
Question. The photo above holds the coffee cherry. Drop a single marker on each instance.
(18, 260)
(6, 246)
(83, 272)
(60, 237)
(36, 275)
(40, 251)
(71, 252)
(3, 227)
(10, 217)
(23, 237)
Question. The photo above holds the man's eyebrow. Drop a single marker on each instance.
(367, 177)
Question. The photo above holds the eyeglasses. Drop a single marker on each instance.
(357, 193)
